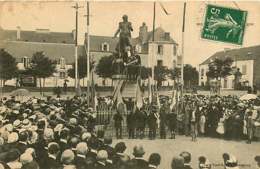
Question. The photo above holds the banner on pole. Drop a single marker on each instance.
(224, 24)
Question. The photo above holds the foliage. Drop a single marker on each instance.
(145, 72)
(42, 66)
(8, 67)
(175, 73)
(160, 74)
(190, 75)
(220, 68)
(104, 67)
(82, 68)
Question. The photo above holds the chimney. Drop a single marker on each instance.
(18, 33)
(143, 32)
(167, 36)
(74, 34)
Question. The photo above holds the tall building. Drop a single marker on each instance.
(246, 60)
(59, 46)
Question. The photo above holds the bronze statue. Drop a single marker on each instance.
(125, 29)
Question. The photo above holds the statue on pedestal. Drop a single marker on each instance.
(124, 55)
(124, 30)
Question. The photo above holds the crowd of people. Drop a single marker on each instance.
(225, 117)
(56, 133)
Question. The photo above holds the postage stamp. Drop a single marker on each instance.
(224, 24)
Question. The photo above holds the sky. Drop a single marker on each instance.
(104, 18)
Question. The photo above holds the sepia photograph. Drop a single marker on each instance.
(112, 84)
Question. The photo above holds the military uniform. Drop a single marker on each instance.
(152, 125)
(131, 125)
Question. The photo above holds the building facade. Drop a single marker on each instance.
(59, 46)
(246, 60)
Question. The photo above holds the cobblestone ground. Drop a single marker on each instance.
(209, 147)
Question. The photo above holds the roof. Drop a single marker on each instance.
(247, 53)
(159, 36)
(46, 36)
(96, 42)
(52, 50)
(41, 35)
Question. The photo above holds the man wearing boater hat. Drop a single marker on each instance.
(138, 160)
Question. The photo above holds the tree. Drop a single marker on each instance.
(220, 68)
(82, 68)
(175, 73)
(104, 67)
(145, 72)
(160, 73)
(8, 67)
(190, 76)
(42, 67)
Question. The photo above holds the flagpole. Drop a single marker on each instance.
(76, 47)
(88, 55)
(182, 51)
(152, 59)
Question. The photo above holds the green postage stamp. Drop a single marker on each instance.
(224, 24)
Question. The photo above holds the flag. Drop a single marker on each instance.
(173, 103)
(139, 97)
(158, 101)
(119, 98)
(165, 11)
(149, 90)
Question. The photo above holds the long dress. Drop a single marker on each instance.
(220, 128)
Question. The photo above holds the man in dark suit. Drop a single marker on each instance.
(138, 160)
(131, 124)
(63, 142)
(107, 146)
(22, 144)
(187, 159)
(119, 150)
(163, 118)
(101, 160)
(154, 161)
(118, 118)
(51, 162)
(140, 116)
(92, 153)
(152, 124)
(81, 152)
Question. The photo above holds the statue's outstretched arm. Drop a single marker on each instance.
(130, 26)
(117, 32)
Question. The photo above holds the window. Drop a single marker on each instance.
(225, 83)
(159, 63)
(160, 50)
(62, 75)
(174, 50)
(26, 62)
(62, 63)
(202, 72)
(243, 69)
(105, 47)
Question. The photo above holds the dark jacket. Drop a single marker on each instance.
(139, 164)
(51, 163)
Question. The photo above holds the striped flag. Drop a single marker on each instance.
(173, 99)
(158, 101)
(139, 97)
(163, 8)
